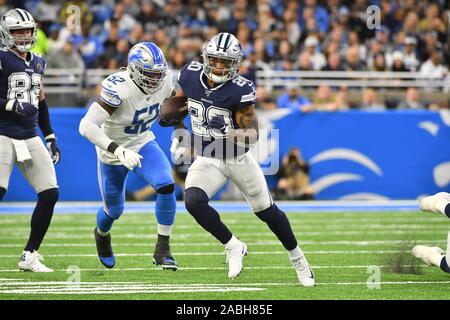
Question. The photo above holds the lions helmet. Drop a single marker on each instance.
(13, 20)
(225, 49)
(147, 66)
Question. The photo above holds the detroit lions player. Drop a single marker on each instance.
(118, 123)
(222, 112)
(22, 108)
(438, 203)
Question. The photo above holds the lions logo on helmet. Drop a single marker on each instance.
(222, 57)
(14, 20)
(147, 66)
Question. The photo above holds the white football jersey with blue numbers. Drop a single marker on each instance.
(130, 123)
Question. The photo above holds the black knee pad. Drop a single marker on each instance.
(49, 196)
(2, 193)
(195, 198)
(168, 189)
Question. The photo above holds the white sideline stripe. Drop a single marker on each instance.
(126, 290)
(259, 243)
(242, 234)
(85, 255)
(215, 268)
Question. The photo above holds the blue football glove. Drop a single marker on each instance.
(218, 123)
(22, 109)
(53, 149)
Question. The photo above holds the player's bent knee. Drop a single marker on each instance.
(115, 211)
(270, 214)
(2, 193)
(195, 198)
(49, 196)
(167, 189)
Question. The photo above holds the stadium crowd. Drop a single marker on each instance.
(329, 35)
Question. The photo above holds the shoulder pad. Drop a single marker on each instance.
(114, 90)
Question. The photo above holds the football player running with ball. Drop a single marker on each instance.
(435, 256)
(118, 123)
(22, 108)
(222, 112)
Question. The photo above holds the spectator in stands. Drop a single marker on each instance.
(333, 63)
(41, 45)
(5, 7)
(89, 46)
(46, 12)
(317, 59)
(66, 58)
(353, 61)
(409, 53)
(55, 42)
(292, 27)
(433, 67)
(325, 100)
(69, 16)
(397, 62)
(379, 62)
(292, 99)
(293, 176)
(125, 21)
(148, 17)
(370, 101)
(412, 100)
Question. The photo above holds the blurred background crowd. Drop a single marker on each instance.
(283, 35)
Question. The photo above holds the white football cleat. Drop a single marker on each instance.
(425, 253)
(235, 256)
(435, 203)
(31, 261)
(304, 272)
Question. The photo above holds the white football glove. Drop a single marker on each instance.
(128, 158)
(177, 150)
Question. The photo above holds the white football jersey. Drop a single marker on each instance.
(130, 123)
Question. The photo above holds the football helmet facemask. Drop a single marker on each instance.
(14, 20)
(222, 57)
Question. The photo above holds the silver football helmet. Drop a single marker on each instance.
(17, 19)
(222, 57)
(147, 66)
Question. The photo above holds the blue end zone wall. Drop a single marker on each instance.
(379, 155)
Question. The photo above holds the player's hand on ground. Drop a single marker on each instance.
(22, 109)
(53, 149)
(128, 158)
(218, 123)
(176, 149)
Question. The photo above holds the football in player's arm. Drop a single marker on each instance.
(22, 109)
(222, 111)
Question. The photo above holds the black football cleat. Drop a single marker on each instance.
(104, 249)
(162, 256)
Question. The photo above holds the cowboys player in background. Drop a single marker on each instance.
(22, 109)
(223, 119)
(119, 123)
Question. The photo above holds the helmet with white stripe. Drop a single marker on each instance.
(14, 20)
(222, 57)
(147, 66)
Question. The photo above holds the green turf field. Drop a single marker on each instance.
(342, 248)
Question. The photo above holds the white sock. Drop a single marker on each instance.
(165, 230)
(102, 233)
(295, 253)
(232, 243)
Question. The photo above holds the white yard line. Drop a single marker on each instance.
(258, 243)
(87, 255)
